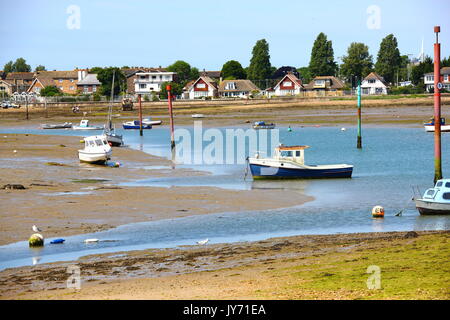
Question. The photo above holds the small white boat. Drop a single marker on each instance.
(96, 150)
(64, 125)
(435, 200)
(198, 116)
(91, 241)
(289, 163)
(149, 121)
(429, 126)
(84, 125)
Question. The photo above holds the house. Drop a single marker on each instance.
(428, 79)
(236, 88)
(16, 82)
(374, 84)
(324, 86)
(65, 81)
(88, 83)
(201, 88)
(151, 81)
(289, 85)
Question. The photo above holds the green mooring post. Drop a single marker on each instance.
(359, 142)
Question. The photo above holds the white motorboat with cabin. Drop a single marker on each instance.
(84, 125)
(289, 163)
(96, 150)
(429, 126)
(435, 201)
(149, 121)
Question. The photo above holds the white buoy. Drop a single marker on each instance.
(343, 129)
(91, 240)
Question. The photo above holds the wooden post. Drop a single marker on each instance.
(437, 108)
(172, 134)
(140, 115)
(359, 141)
(26, 103)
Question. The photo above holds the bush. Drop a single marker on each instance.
(406, 90)
(97, 97)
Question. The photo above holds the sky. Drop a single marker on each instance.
(68, 34)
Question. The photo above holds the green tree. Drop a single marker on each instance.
(358, 62)
(305, 74)
(177, 89)
(419, 70)
(50, 91)
(233, 70)
(388, 59)
(9, 67)
(322, 57)
(184, 71)
(95, 70)
(40, 68)
(260, 67)
(21, 66)
(105, 76)
(445, 62)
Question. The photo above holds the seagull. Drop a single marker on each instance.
(203, 242)
(36, 229)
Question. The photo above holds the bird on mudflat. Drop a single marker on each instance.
(203, 242)
(36, 229)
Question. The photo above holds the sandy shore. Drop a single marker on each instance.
(65, 197)
(300, 267)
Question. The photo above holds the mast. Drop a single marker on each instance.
(109, 124)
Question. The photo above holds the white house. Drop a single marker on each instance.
(200, 88)
(289, 85)
(374, 84)
(428, 79)
(237, 88)
(148, 82)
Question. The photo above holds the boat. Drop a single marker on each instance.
(135, 125)
(64, 125)
(151, 122)
(110, 131)
(96, 150)
(435, 201)
(263, 125)
(289, 162)
(198, 116)
(84, 125)
(429, 126)
(57, 241)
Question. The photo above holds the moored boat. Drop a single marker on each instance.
(112, 137)
(263, 125)
(135, 125)
(84, 125)
(64, 125)
(435, 201)
(96, 150)
(289, 163)
(151, 122)
(429, 126)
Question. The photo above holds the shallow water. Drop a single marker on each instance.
(390, 163)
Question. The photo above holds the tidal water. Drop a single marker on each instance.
(391, 163)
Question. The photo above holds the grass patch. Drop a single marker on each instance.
(410, 269)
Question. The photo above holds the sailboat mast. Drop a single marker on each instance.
(111, 102)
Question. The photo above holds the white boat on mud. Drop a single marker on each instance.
(198, 116)
(435, 201)
(84, 125)
(96, 150)
(149, 121)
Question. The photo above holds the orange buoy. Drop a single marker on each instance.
(378, 212)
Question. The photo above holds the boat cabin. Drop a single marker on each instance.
(84, 123)
(292, 153)
(95, 142)
(440, 192)
(431, 122)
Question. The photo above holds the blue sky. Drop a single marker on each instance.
(207, 33)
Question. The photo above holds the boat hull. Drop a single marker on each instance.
(86, 128)
(131, 127)
(432, 208)
(445, 128)
(269, 172)
(115, 140)
(94, 157)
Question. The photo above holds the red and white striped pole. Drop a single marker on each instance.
(437, 107)
(172, 135)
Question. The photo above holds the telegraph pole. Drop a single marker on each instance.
(437, 107)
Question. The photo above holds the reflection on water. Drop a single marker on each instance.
(391, 161)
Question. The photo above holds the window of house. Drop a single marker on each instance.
(94, 88)
(371, 81)
(287, 83)
(201, 85)
(142, 86)
(86, 88)
(446, 77)
(60, 80)
(231, 86)
(142, 77)
(71, 80)
(153, 77)
(319, 82)
(72, 88)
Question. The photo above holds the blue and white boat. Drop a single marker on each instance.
(429, 126)
(289, 163)
(136, 125)
(435, 200)
(263, 125)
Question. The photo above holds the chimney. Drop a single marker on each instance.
(81, 74)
